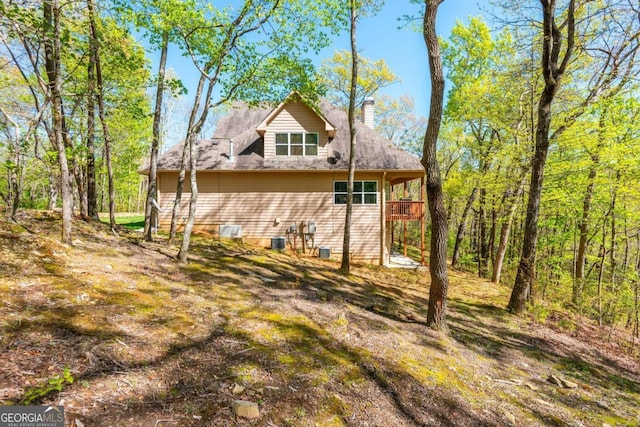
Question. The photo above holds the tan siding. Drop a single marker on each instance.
(365, 226)
(295, 117)
(208, 198)
(266, 204)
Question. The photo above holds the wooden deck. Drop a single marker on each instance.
(404, 210)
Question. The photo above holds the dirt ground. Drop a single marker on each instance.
(120, 334)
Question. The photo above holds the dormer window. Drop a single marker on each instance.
(296, 144)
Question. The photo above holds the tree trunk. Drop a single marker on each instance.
(526, 268)
(636, 291)
(492, 233)
(52, 194)
(92, 196)
(52, 47)
(103, 122)
(578, 283)
(553, 70)
(76, 171)
(462, 227)
(601, 270)
(183, 162)
(179, 189)
(583, 239)
(437, 312)
(18, 182)
(636, 328)
(193, 133)
(186, 237)
(78, 174)
(346, 243)
(505, 230)
(152, 189)
(483, 247)
(15, 169)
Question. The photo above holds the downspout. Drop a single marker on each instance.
(383, 217)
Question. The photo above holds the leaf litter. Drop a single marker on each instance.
(147, 341)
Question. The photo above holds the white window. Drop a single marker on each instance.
(296, 144)
(364, 192)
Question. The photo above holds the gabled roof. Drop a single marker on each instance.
(244, 125)
(293, 97)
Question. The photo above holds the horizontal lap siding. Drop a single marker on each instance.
(208, 200)
(365, 223)
(365, 232)
(255, 200)
(295, 117)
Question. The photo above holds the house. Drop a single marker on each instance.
(279, 177)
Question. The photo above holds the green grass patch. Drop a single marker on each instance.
(130, 222)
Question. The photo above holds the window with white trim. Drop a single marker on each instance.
(296, 144)
(364, 192)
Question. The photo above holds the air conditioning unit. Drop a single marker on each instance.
(278, 243)
(324, 252)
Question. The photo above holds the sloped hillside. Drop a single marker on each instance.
(121, 335)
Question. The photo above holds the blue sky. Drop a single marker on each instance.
(379, 37)
(404, 49)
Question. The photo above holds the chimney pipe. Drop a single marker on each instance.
(231, 158)
(368, 113)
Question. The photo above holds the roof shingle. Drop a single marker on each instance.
(373, 152)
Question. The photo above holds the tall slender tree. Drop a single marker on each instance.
(346, 242)
(610, 38)
(100, 93)
(557, 49)
(92, 194)
(53, 66)
(152, 186)
(437, 312)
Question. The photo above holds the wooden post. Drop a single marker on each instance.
(404, 221)
(392, 222)
(383, 218)
(422, 221)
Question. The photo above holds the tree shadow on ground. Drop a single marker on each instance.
(478, 326)
(302, 370)
(289, 379)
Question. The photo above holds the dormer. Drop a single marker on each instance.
(293, 129)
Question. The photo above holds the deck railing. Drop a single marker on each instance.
(404, 209)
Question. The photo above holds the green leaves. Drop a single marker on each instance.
(53, 384)
(335, 76)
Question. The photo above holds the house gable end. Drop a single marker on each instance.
(295, 117)
(294, 97)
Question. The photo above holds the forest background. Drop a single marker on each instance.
(99, 85)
